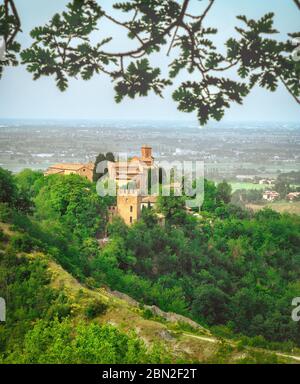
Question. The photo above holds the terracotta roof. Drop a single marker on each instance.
(149, 199)
(53, 171)
(135, 159)
(90, 166)
(68, 166)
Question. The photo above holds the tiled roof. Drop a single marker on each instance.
(54, 171)
(68, 166)
(149, 199)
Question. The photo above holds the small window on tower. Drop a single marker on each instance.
(131, 208)
(130, 219)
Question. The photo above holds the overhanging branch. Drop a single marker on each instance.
(9, 4)
(297, 2)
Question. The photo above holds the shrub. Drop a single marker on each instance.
(5, 213)
(60, 308)
(22, 242)
(147, 314)
(95, 308)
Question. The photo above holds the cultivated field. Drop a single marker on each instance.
(279, 206)
(244, 185)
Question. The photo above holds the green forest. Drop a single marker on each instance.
(231, 270)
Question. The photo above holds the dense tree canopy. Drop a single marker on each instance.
(75, 201)
(11, 194)
(237, 269)
(8, 189)
(63, 48)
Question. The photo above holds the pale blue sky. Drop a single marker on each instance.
(20, 97)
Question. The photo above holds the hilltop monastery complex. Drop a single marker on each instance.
(129, 202)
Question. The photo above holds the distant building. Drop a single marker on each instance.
(148, 201)
(130, 202)
(266, 181)
(84, 170)
(124, 172)
(270, 195)
(293, 196)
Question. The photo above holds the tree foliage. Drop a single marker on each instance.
(13, 195)
(102, 158)
(63, 48)
(63, 343)
(74, 200)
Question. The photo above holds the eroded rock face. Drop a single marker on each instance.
(173, 317)
(165, 335)
(156, 311)
(125, 297)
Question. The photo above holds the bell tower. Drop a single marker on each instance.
(147, 155)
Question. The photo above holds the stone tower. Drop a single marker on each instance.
(129, 205)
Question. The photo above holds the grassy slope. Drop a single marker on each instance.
(197, 345)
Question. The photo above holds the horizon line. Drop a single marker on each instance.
(143, 120)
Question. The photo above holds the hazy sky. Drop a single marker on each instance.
(21, 97)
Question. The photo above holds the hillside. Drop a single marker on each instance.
(183, 339)
(199, 288)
